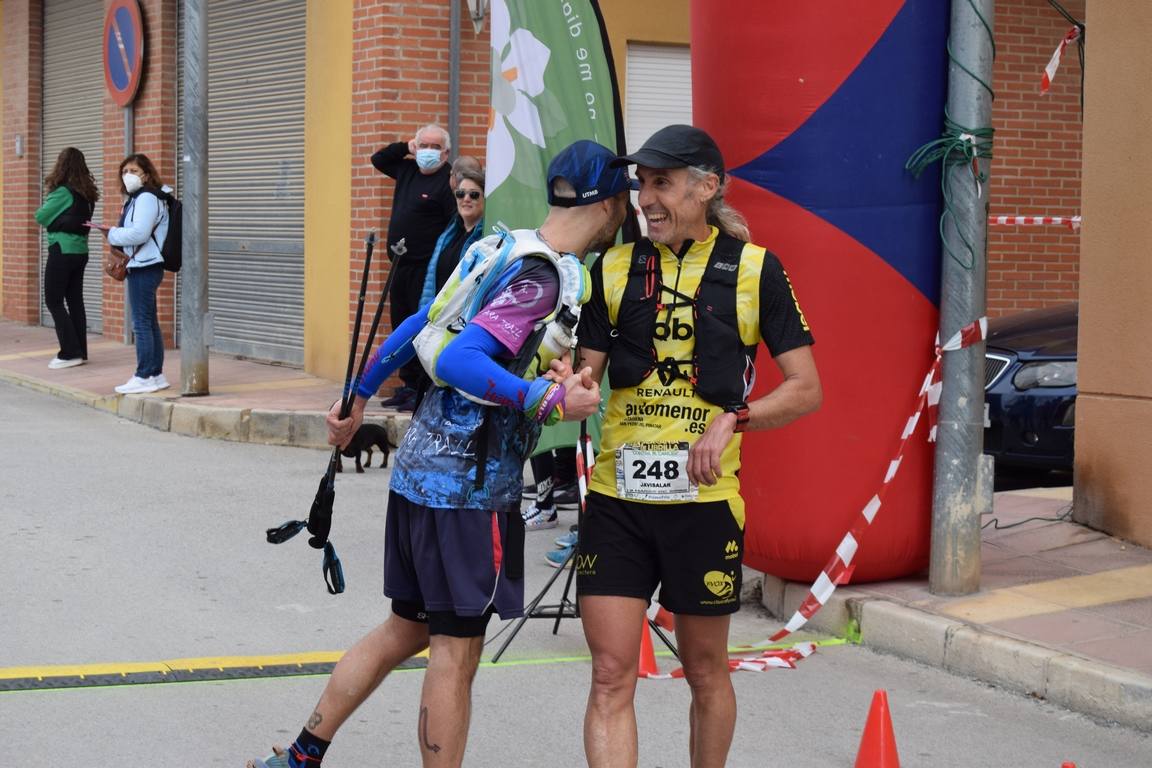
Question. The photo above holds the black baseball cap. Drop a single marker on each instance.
(587, 166)
(677, 146)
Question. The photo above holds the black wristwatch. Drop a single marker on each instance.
(742, 415)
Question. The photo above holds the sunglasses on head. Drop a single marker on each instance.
(473, 194)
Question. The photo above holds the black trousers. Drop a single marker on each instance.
(403, 301)
(64, 297)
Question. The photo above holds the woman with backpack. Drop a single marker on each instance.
(67, 207)
(140, 234)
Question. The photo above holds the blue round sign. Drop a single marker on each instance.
(123, 50)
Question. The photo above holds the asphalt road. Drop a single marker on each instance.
(125, 545)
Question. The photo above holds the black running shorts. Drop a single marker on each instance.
(692, 550)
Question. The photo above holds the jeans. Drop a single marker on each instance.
(64, 285)
(142, 285)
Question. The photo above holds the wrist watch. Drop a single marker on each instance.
(742, 415)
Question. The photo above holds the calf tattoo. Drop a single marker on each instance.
(314, 721)
(424, 732)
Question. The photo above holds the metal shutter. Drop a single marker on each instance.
(256, 177)
(659, 90)
(73, 92)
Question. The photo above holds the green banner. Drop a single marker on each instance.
(552, 83)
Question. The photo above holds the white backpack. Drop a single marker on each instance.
(466, 291)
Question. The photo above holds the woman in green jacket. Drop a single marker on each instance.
(70, 201)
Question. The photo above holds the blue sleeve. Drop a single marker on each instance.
(396, 350)
(469, 364)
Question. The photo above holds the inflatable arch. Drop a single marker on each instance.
(817, 106)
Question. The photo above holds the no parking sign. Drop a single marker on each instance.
(123, 50)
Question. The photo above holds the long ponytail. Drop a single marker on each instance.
(721, 215)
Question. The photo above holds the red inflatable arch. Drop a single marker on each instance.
(816, 107)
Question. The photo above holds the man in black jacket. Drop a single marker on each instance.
(422, 206)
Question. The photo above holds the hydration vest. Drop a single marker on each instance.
(721, 370)
(469, 288)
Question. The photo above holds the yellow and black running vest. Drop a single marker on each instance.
(721, 369)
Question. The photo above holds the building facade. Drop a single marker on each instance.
(301, 89)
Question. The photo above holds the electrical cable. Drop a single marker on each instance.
(1062, 517)
(958, 146)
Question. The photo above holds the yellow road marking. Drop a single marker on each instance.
(1056, 595)
(204, 662)
(285, 659)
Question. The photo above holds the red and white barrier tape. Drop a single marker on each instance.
(776, 658)
(1072, 222)
(839, 568)
(1070, 36)
(585, 461)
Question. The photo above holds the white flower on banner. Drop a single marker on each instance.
(518, 64)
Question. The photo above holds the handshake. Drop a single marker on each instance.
(562, 394)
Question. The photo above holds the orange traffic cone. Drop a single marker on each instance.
(665, 620)
(647, 664)
(1068, 765)
(878, 744)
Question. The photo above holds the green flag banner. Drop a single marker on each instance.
(553, 82)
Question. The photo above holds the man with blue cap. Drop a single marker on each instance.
(453, 550)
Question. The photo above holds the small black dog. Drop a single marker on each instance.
(367, 437)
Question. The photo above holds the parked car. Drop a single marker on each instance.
(1030, 388)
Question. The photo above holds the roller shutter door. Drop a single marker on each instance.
(658, 90)
(658, 93)
(256, 177)
(73, 93)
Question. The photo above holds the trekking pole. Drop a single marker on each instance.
(319, 521)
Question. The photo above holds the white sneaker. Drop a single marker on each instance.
(57, 363)
(160, 381)
(537, 519)
(136, 386)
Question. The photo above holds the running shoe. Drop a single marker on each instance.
(137, 386)
(567, 540)
(558, 557)
(536, 519)
(567, 496)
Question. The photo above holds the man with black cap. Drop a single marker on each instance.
(453, 550)
(676, 319)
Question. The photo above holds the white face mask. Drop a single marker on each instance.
(427, 158)
(132, 182)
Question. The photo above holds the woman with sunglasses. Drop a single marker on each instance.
(466, 227)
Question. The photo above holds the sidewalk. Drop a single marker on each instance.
(1064, 613)
(248, 401)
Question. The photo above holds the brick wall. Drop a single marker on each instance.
(22, 67)
(1037, 158)
(400, 82)
(155, 133)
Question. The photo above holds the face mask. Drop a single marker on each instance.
(427, 158)
(132, 182)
